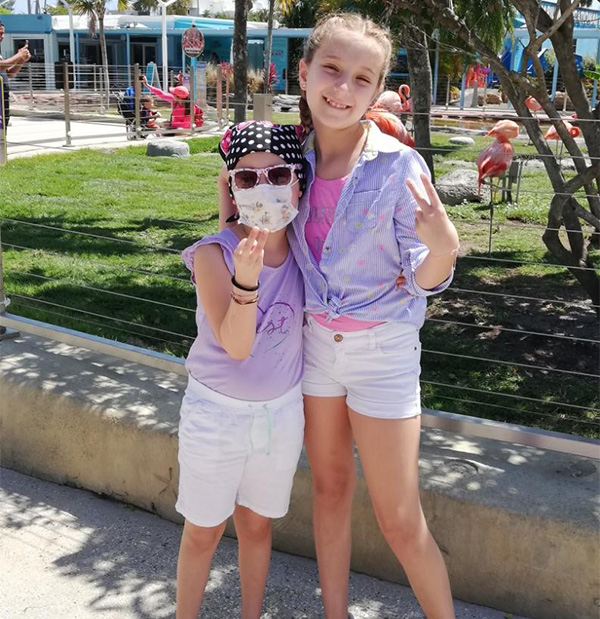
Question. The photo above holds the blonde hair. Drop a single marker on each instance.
(330, 24)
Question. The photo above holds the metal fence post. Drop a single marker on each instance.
(102, 87)
(193, 97)
(30, 79)
(67, 105)
(4, 333)
(220, 96)
(137, 91)
(3, 156)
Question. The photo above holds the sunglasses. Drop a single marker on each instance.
(247, 178)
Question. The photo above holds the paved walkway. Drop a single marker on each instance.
(28, 136)
(70, 553)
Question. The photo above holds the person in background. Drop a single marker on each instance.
(9, 68)
(148, 114)
(181, 106)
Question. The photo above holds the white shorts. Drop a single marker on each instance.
(376, 369)
(234, 451)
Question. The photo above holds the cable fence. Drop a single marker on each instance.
(98, 105)
(105, 106)
(95, 246)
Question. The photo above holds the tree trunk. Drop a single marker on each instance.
(565, 209)
(240, 60)
(269, 45)
(419, 71)
(588, 279)
(104, 57)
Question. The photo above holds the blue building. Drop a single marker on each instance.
(135, 39)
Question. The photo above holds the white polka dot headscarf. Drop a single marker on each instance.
(263, 137)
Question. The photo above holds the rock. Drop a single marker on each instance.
(459, 186)
(168, 148)
(462, 141)
(568, 164)
(287, 100)
(559, 101)
(492, 98)
(534, 164)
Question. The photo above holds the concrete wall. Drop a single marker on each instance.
(518, 526)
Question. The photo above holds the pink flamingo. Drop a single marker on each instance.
(389, 101)
(389, 123)
(404, 94)
(534, 105)
(552, 134)
(495, 159)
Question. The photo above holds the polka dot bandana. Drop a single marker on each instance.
(263, 137)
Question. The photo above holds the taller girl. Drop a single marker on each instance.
(365, 219)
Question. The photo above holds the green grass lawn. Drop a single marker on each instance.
(131, 285)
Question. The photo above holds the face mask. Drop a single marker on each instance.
(265, 206)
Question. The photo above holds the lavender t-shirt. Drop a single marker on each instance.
(275, 364)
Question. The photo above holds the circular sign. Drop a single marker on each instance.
(192, 42)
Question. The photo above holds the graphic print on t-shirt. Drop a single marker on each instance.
(275, 325)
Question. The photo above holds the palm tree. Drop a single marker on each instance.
(179, 7)
(95, 11)
(285, 7)
(240, 58)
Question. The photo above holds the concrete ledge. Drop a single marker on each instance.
(518, 526)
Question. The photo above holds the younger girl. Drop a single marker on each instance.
(181, 106)
(369, 213)
(241, 428)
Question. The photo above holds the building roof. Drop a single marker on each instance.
(119, 23)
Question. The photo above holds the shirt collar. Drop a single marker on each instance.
(377, 142)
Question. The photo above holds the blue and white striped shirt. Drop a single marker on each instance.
(372, 239)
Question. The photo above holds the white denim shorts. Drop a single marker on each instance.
(234, 451)
(376, 369)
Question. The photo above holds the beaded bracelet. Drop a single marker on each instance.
(242, 301)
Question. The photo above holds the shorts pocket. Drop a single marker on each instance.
(200, 436)
(402, 344)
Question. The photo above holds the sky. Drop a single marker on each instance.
(215, 5)
(21, 5)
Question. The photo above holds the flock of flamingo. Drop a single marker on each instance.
(493, 161)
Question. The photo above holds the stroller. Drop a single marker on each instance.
(126, 108)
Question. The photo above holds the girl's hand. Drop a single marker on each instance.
(432, 225)
(248, 257)
(145, 80)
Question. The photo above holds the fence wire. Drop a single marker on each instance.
(523, 355)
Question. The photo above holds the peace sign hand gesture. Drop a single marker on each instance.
(248, 257)
(432, 225)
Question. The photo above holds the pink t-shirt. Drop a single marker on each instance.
(324, 196)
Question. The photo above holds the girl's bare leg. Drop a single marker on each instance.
(196, 551)
(328, 439)
(389, 451)
(254, 548)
